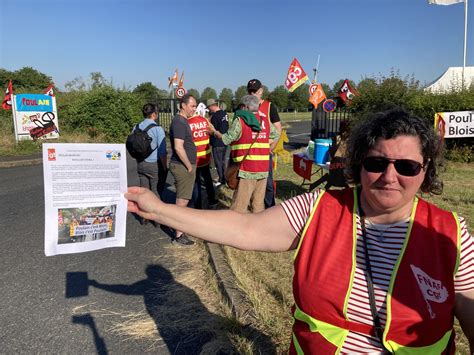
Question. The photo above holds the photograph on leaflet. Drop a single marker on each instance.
(76, 225)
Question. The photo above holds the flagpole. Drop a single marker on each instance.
(465, 41)
(316, 71)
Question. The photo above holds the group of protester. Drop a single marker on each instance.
(251, 136)
(377, 268)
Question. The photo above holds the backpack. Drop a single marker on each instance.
(139, 143)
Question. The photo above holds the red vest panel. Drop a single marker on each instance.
(257, 159)
(199, 126)
(326, 259)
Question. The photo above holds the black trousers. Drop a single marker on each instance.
(270, 191)
(204, 173)
(219, 154)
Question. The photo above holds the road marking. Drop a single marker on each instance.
(299, 134)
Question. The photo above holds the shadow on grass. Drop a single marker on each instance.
(183, 322)
(288, 189)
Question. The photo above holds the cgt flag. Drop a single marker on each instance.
(346, 92)
(7, 100)
(295, 77)
(444, 2)
(174, 78)
(317, 96)
(49, 90)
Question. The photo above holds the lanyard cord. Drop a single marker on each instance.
(370, 286)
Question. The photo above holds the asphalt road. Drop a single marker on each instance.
(40, 314)
(299, 133)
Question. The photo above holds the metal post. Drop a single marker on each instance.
(465, 42)
(315, 70)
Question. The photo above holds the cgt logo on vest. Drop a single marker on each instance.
(431, 289)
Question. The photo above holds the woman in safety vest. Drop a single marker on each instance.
(377, 268)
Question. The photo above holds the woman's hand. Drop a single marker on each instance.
(143, 202)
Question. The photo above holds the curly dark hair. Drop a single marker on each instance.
(390, 124)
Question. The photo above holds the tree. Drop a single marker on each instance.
(225, 97)
(298, 99)
(98, 80)
(239, 94)
(147, 90)
(76, 84)
(194, 92)
(266, 92)
(208, 93)
(279, 96)
(30, 79)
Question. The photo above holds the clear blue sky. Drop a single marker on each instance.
(225, 43)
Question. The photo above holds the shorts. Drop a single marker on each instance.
(184, 180)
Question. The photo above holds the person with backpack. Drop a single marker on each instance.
(149, 151)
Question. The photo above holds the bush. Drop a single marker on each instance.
(378, 94)
(104, 110)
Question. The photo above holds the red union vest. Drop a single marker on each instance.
(420, 297)
(258, 156)
(198, 125)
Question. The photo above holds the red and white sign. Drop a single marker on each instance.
(295, 76)
(455, 124)
(180, 92)
(302, 166)
(317, 96)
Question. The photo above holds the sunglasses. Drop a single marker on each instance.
(405, 167)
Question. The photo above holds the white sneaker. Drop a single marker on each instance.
(216, 184)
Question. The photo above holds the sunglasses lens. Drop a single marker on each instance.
(405, 167)
(375, 164)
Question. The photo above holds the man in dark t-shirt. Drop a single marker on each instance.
(255, 87)
(220, 122)
(183, 157)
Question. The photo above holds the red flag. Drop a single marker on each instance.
(346, 92)
(317, 96)
(7, 100)
(295, 77)
(174, 78)
(49, 90)
(181, 80)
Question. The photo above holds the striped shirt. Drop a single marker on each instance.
(384, 243)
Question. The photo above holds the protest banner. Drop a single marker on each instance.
(455, 124)
(35, 116)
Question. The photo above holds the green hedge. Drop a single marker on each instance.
(105, 110)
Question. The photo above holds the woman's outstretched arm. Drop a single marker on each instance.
(265, 231)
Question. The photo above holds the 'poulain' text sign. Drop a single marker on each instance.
(455, 124)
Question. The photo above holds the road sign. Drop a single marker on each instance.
(180, 92)
(329, 105)
(312, 89)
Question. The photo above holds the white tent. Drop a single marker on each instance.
(451, 80)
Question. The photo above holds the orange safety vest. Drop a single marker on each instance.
(199, 126)
(420, 297)
(258, 156)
